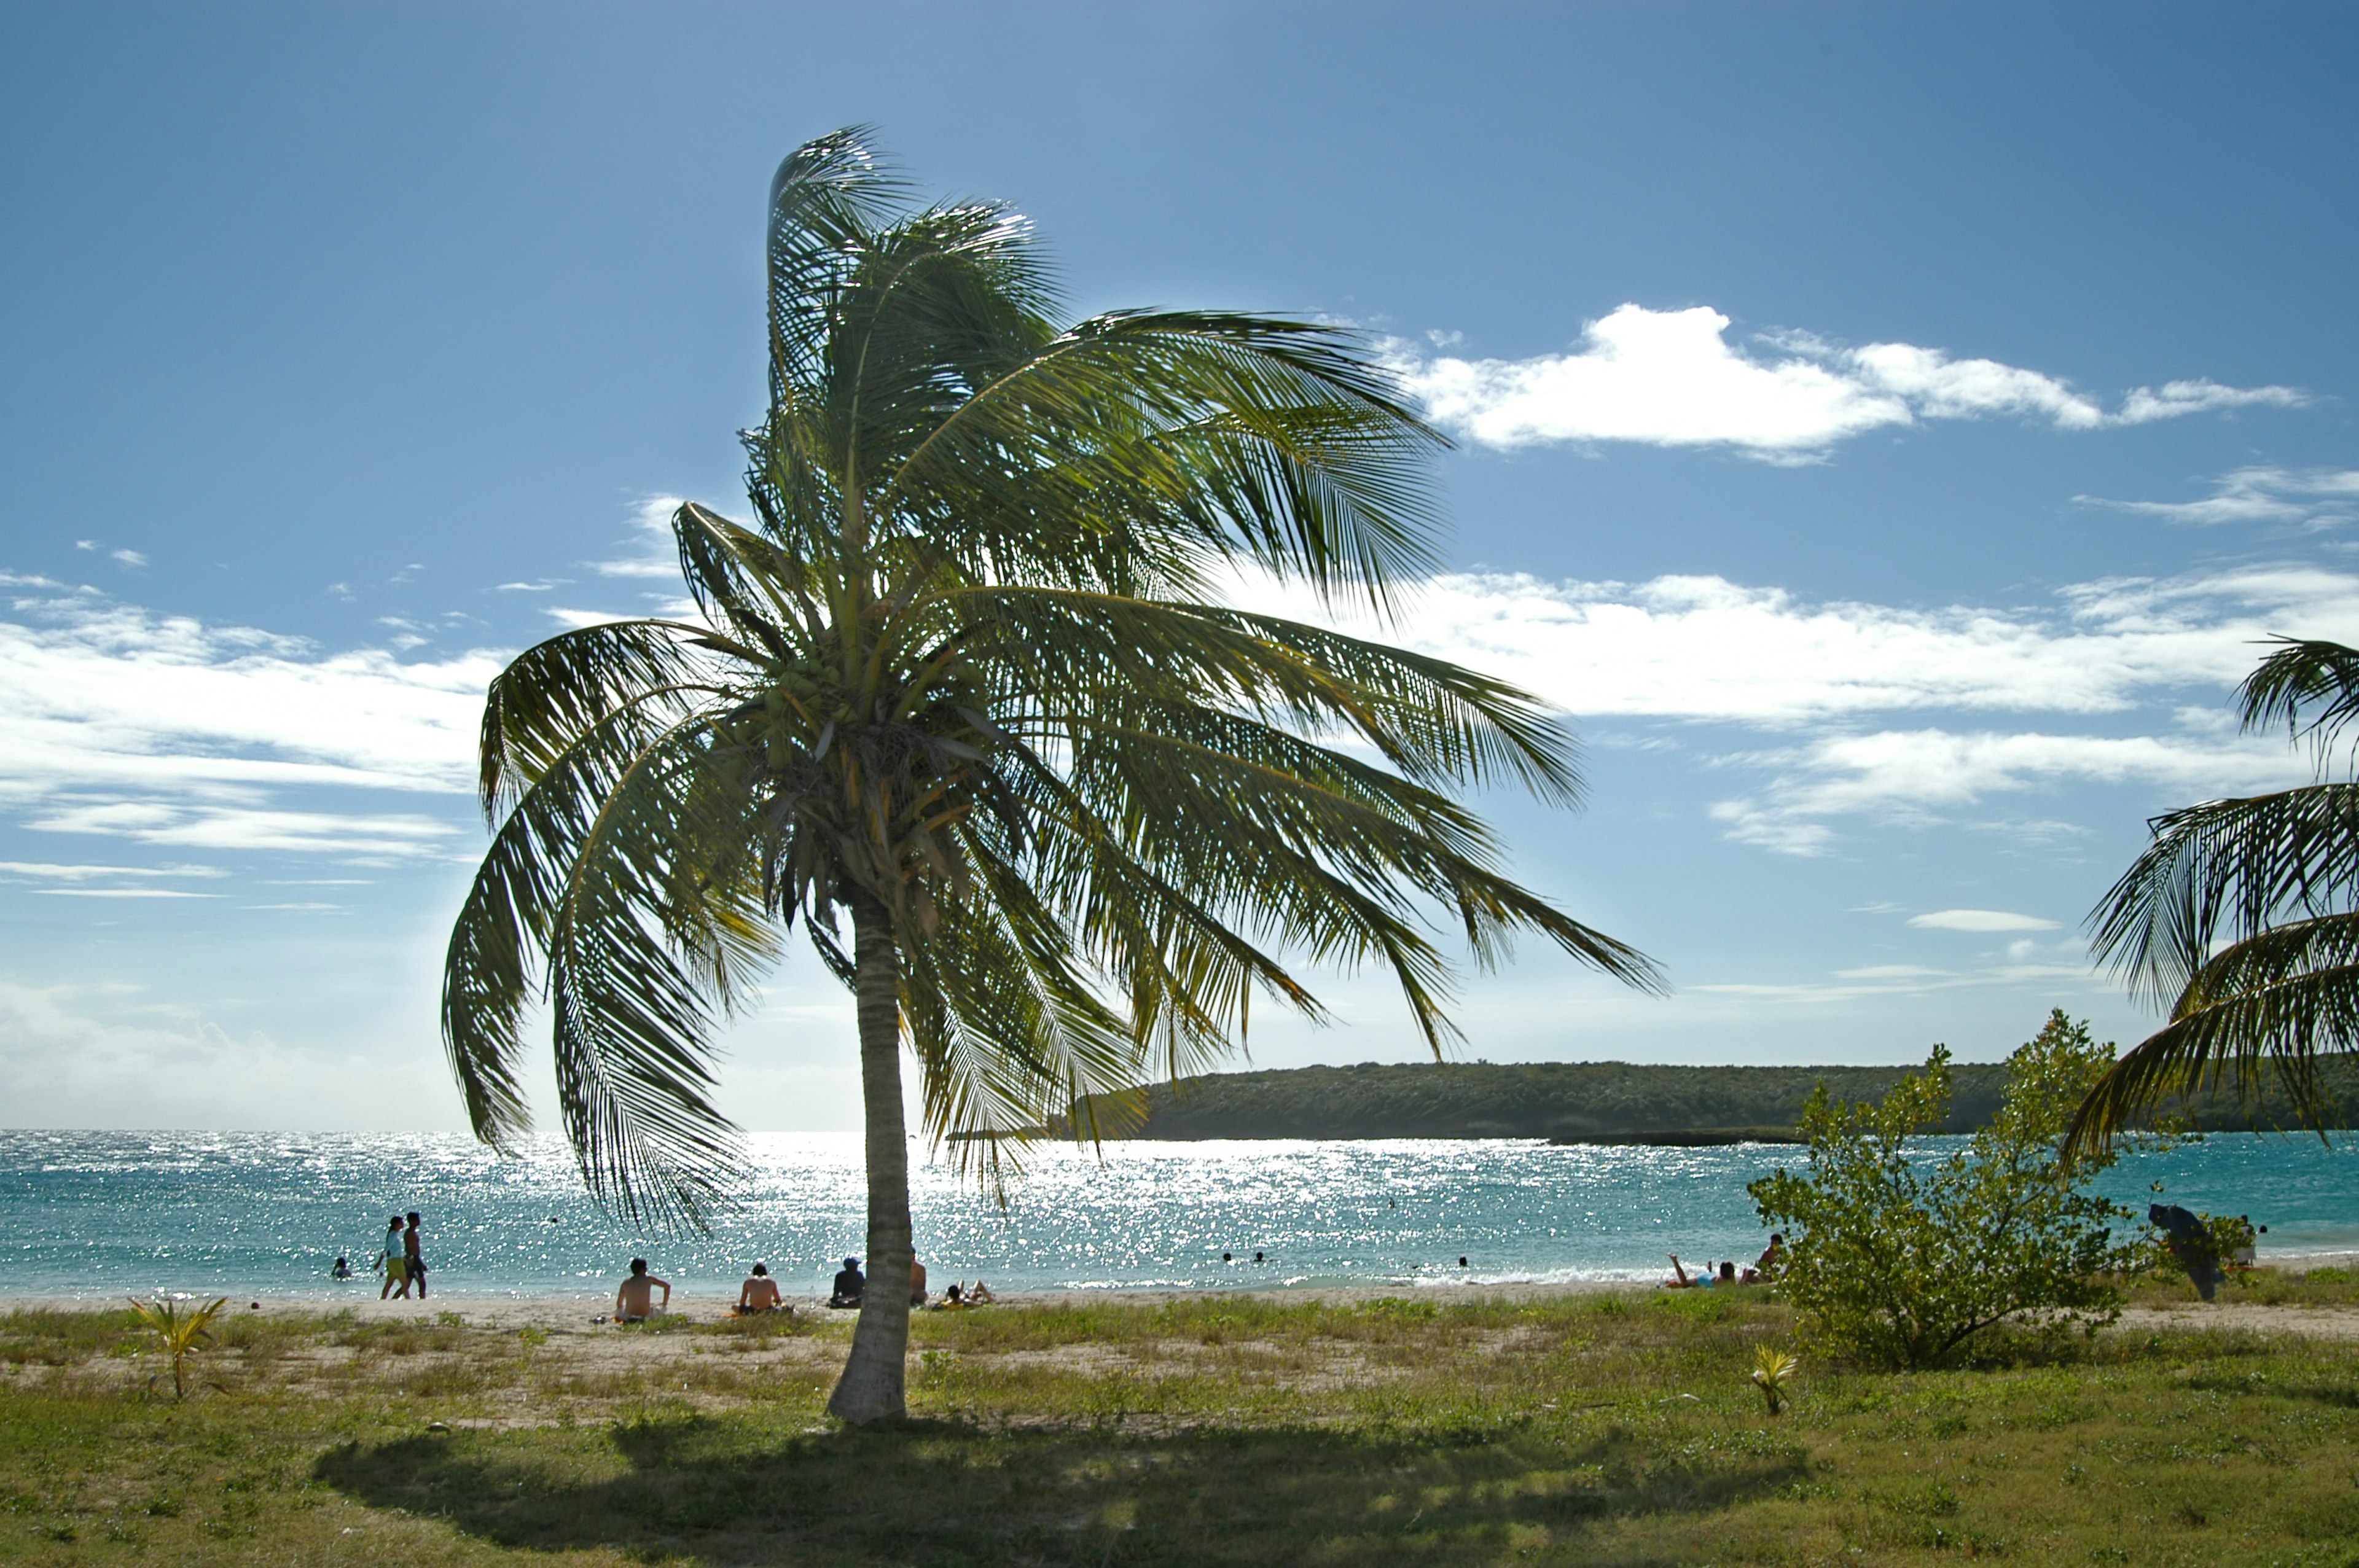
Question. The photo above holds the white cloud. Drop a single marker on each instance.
(121, 892)
(129, 558)
(1705, 648)
(655, 555)
(378, 837)
(91, 874)
(1899, 981)
(1914, 777)
(1671, 378)
(1980, 919)
(2307, 498)
(2144, 405)
(166, 730)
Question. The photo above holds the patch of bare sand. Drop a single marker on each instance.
(580, 1313)
(2310, 1321)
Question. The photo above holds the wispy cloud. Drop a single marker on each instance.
(2304, 498)
(651, 551)
(53, 871)
(1893, 980)
(1672, 378)
(168, 730)
(1811, 677)
(1979, 920)
(378, 835)
(1921, 777)
(1705, 648)
(123, 893)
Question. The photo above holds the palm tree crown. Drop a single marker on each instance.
(2242, 916)
(965, 678)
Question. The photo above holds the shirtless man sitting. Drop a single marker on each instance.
(760, 1293)
(634, 1298)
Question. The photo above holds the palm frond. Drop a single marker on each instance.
(2226, 867)
(1437, 722)
(633, 1015)
(2262, 1012)
(556, 690)
(504, 927)
(827, 197)
(1214, 434)
(2311, 687)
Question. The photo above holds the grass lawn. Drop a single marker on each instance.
(1614, 1428)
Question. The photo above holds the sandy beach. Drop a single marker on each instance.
(584, 1312)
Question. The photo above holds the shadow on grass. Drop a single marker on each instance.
(726, 1493)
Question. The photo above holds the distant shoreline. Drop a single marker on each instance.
(1569, 1103)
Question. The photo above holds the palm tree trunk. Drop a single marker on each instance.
(872, 1387)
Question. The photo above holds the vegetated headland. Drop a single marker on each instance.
(1584, 1102)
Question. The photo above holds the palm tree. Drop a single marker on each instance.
(965, 681)
(2243, 917)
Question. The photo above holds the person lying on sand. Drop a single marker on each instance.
(979, 1294)
(759, 1294)
(634, 1299)
(1679, 1280)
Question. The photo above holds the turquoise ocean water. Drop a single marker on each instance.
(265, 1213)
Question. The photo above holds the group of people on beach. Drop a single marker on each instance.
(851, 1288)
(635, 1300)
(399, 1260)
(1763, 1270)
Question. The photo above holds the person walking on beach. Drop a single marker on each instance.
(410, 1257)
(395, 1260)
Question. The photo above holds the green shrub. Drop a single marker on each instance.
(1901, 1257)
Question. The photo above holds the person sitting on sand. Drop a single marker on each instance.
(851, 1284)
(634, 1300)
(1679, 1280)
(1773, 1258)
(394, 1261)
(916, 1283)
(760, 1293)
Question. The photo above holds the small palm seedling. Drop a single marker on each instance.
(1772, 1369)
(178, 1333)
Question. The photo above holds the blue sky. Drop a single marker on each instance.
(1885, 430)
